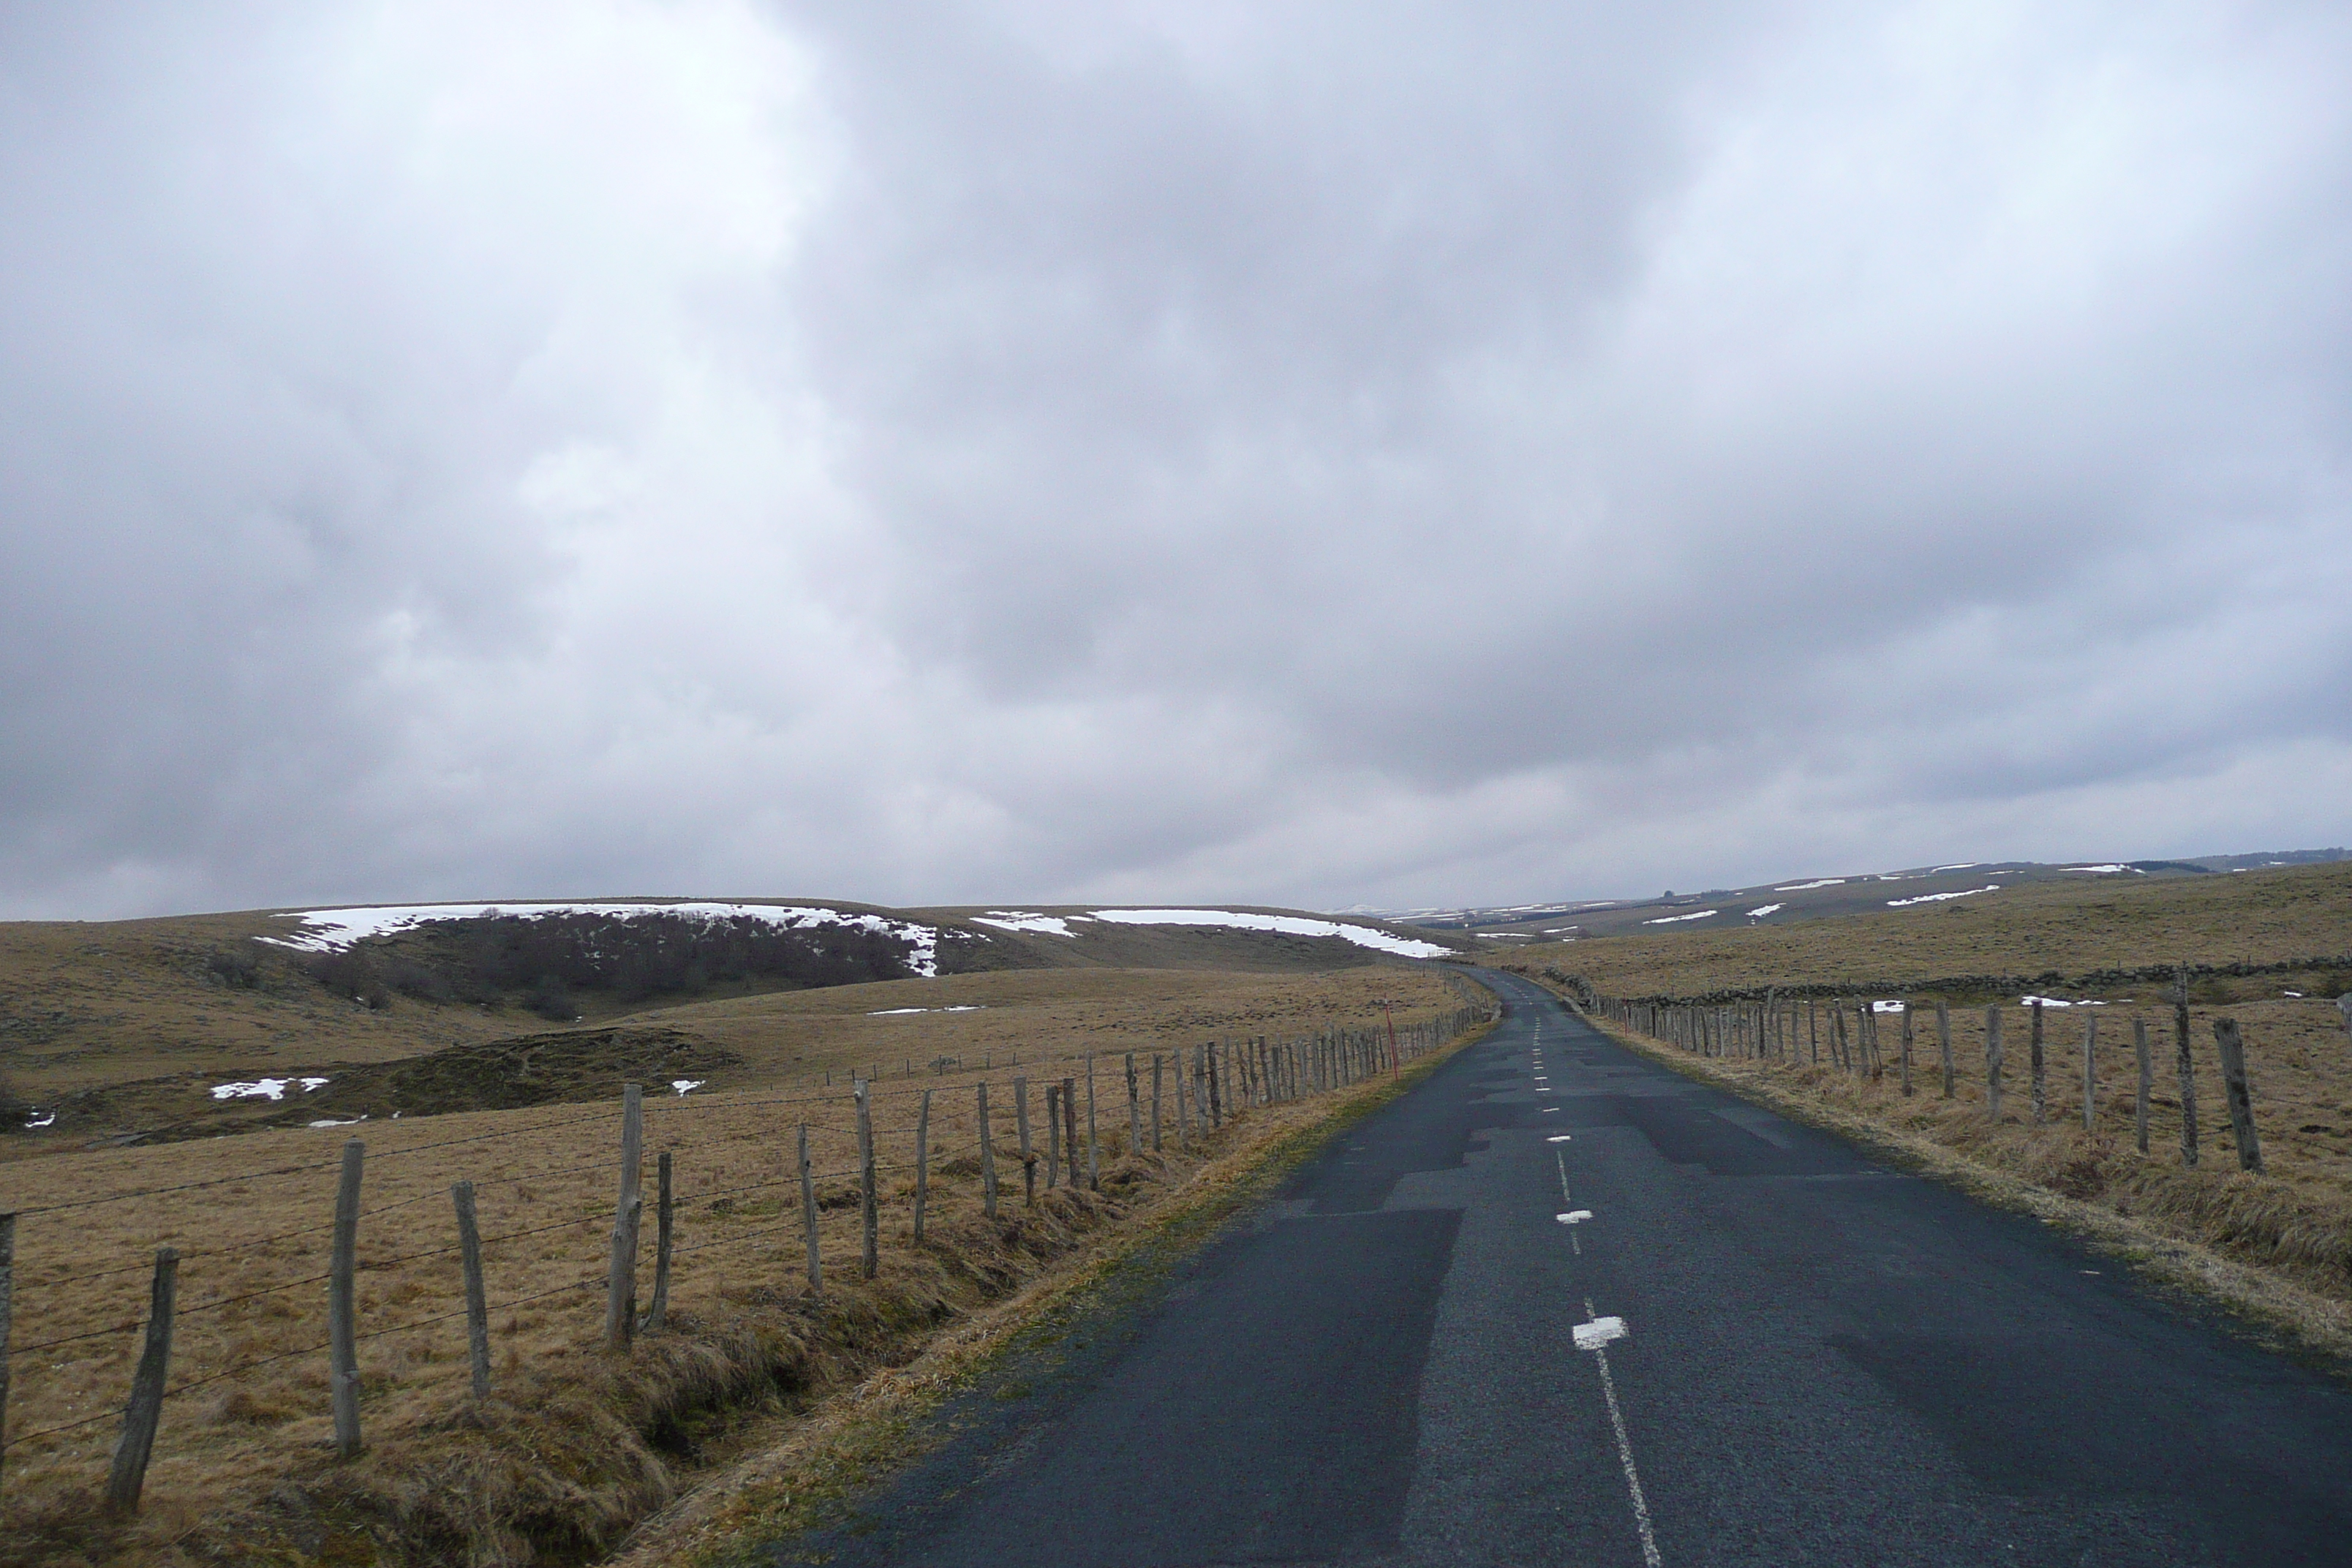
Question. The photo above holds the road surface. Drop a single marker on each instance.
(1752, 1345)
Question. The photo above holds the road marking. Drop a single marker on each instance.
(1574, 1216)
(1591, 1336)
(1559, 1138)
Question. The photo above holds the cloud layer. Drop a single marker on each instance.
(1304, 454)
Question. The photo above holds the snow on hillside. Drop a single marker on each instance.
(331, 930)
(1289, 925)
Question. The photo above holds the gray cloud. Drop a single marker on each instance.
(1301, 453)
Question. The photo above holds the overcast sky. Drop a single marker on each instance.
(1309, 454)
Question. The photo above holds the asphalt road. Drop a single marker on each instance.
(1758, 1346)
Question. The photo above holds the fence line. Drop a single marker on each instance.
(1214, 1082)
(1788, 1030)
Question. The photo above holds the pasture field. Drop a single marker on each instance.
(576, 1444)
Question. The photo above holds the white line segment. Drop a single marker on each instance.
(1592, 1336)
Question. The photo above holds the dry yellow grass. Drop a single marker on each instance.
(441, 1476)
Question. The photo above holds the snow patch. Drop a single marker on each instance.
(688, 1085)
(1670, 920)
(1939, 898)
(2056, 1002)
(1289, 925)
(332, 930)
(1886, 1006)
(1801, 886)
(1962, 866)
(1759, 912)
(263, 1088)
(2096, 870)
(908, 1012)
(42, 1121)
(1016, 920)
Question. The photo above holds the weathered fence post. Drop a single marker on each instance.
(1217, 1095)
(922, 1163)
(2090, 1070)
(1155, 1102)
(1906, 1050)
(2034, 1053)
(1052, 1136)
(987, 1160)
(1184, 1106)
(477, 1302)
(2240, 1095)
(621, 1274)
(145, 1411)
(1944, 1043)
(1992, 1061)
(2147, 1080)
(1134, 1111)
(1094, 1165)
(1070, 1125)
(2188, 1068)
(869, 1216)
(808, 1217)
(343, 1309)
(7, 1309)
(663, 1221)
(1028, 1158)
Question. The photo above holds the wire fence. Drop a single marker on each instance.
(790, 1201)
(2039, 1058)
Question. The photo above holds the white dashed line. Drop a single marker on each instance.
(1591, 1336)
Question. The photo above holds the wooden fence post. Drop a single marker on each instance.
(1052, 1136)
(1906, 1050)
(1813, 1030)
(663, 1222)
(1134, 1111)
(922, 1163)
(808, 1217)
(621, 1273)
(2090, 1070)
(2241, 1098)
(1216, 1089)
(8, 1298)
(1070, 1126)
(1093, 1166)
(1992, 1061)
(2188, 1068)
(145, 1411)
(343, 1309)
(2147, 1080)
(2034, 1051)
(477, 1302)
(1183, 1105)
(1028, 1158)
(1155, 1102)
(987, 1159)
(868, 1209)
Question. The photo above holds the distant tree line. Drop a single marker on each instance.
(544, 962)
